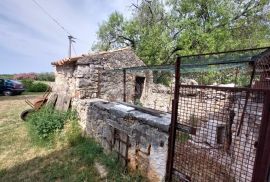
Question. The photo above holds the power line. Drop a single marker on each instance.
(62, 27)
(52, 18)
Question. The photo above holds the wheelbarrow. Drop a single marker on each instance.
(36, 105)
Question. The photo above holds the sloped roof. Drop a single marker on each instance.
(75, 59)
(263, 58)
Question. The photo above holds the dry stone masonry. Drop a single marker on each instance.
(139, 138)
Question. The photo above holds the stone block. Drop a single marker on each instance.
(105, 117)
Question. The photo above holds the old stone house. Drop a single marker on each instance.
(95, 84)
(96, 76)
(88, 76)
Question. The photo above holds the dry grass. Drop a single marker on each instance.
(21, 160)
(15, 146)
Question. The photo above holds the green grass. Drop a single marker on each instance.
(183, 137)
(70, 158)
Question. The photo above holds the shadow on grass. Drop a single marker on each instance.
(63, 165)
(69, 164)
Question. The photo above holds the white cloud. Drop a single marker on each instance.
(25, 30)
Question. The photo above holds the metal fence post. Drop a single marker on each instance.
(262, 159)
(124, 85)
(247, 97)
(172, 130)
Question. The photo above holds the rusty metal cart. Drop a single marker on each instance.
(38, 103)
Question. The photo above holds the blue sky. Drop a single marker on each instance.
(30, 41)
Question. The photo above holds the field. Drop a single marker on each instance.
(21, 160)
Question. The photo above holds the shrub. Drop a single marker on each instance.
(47, 121)
(138, 102)
(37, 87)
(46, 77)
(27, 83)
(72, 133)
(32, 86)
(183, 137)
(162, 77)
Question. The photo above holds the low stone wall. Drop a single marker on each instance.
(158, 97)
(139, 138)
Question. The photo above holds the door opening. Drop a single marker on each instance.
(139, 84)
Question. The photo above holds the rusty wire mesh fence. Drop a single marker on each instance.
(217, 103)
(150, 87)
(217, 116)
(145, 86)
(216, 135)
(262, 72)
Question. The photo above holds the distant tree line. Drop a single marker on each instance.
(48, 76)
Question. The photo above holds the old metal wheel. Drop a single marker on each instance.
(26, 113)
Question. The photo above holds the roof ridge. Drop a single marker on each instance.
(74, 59)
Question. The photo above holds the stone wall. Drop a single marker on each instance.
(64, 80)
(92, 76)
(158, 97)
(147, 135)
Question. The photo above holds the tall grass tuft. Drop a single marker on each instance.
(44, 124)
(48, 127)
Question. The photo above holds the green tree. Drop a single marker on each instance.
(114, 33)
(218, 25)
(160, 29)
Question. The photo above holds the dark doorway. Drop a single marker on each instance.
(139, 83)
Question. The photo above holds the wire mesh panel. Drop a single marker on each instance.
(150, 87)
(146, 86)
(262, 65)
(234, 67)
(216, 133)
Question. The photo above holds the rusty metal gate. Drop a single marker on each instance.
(218, 133)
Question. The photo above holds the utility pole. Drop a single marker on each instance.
(71, 39)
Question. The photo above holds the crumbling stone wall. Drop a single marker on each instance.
(64, 79)
(91, 76)
(147, 134)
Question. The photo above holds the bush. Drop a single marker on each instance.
(47, 121)
(27, 83)
(162, 77)
(32, 86)
(37, 87)
(46, 77)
